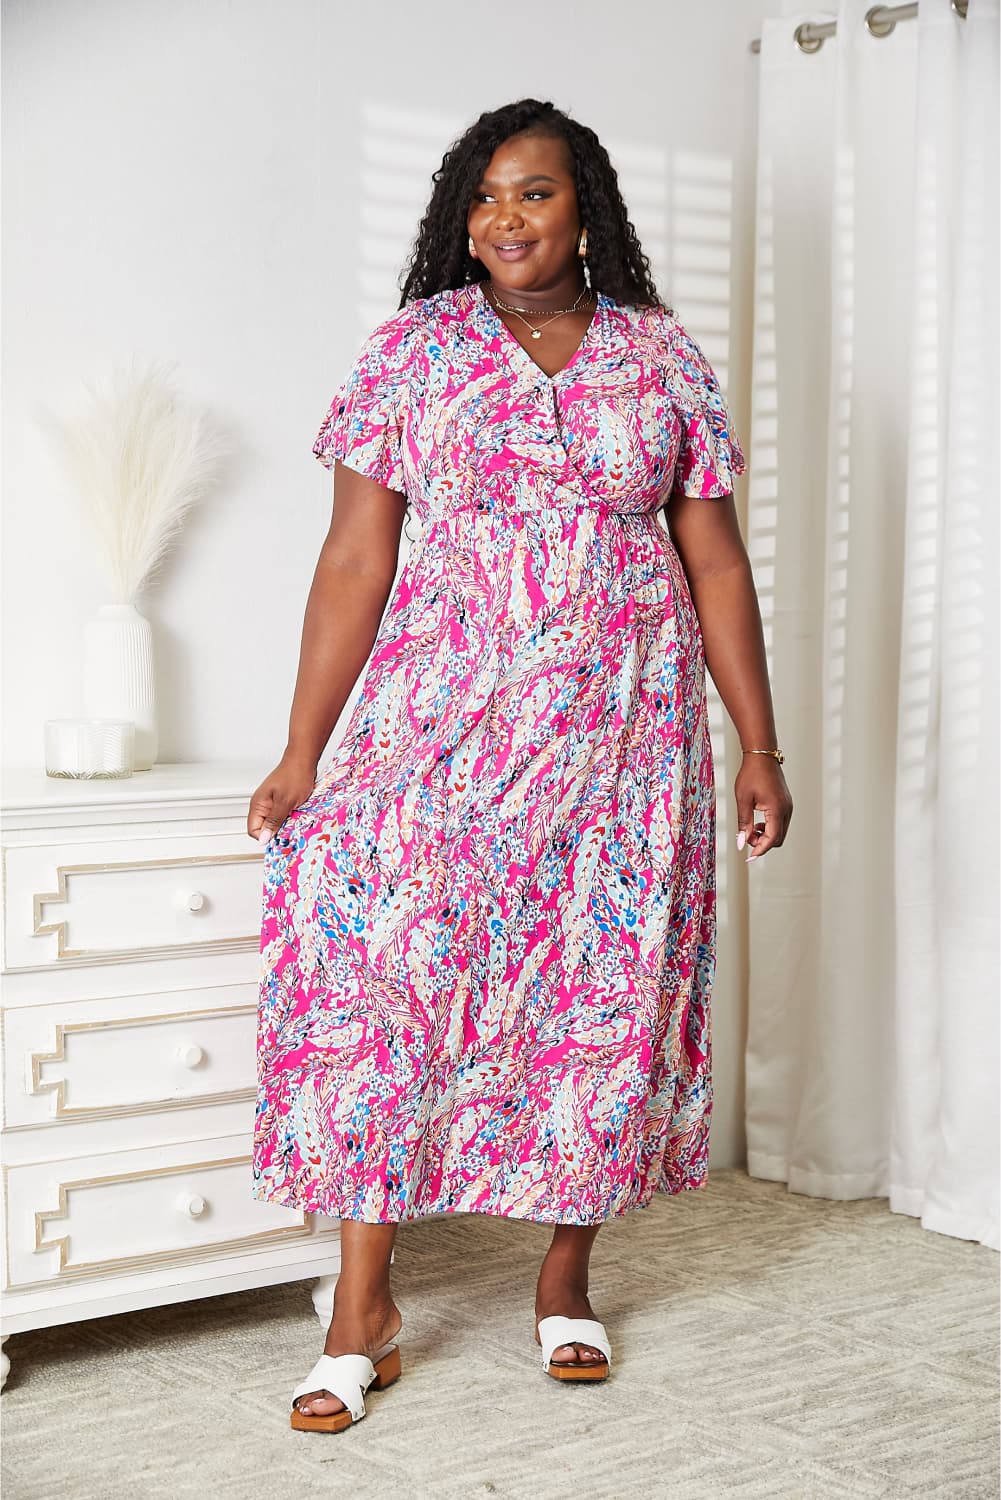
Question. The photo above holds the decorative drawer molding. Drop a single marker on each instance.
(143, 898)
(126, 1211)
(170, 1053)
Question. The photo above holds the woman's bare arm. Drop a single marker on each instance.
(707, 536)
(353, 578)
(351, 585)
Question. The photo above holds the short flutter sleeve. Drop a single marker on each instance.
(364, 424)
(710, 453)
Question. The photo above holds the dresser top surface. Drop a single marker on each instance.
(22, 787)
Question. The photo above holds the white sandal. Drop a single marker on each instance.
(554, 1332)
(348, 1377)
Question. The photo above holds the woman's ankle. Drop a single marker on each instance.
(568, 1266)
(361, 1335)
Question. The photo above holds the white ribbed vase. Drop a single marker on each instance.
(118, 674)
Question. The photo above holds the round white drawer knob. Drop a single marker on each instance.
(191, 1055)
(195, 901)
(193, 1205)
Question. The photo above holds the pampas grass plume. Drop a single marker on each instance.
(139, 457)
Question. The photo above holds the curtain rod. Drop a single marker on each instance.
(880, 21)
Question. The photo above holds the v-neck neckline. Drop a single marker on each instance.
(505, 332)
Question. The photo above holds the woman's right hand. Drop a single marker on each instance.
(287, 787)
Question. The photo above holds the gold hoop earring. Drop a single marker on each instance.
(582, 252)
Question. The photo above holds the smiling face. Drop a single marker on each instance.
(527, 197)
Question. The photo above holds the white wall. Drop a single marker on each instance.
(234, 185)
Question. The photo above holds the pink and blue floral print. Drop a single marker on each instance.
(488, 936)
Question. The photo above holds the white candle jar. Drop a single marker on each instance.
(89, 748)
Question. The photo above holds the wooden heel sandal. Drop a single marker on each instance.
(554, 1332)
(348, 1377)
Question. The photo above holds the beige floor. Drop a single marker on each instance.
(765, 1344)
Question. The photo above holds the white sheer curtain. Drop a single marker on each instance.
(872, 1055)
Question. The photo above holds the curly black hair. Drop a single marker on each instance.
(441, 257)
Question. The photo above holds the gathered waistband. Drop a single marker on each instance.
(518, 513)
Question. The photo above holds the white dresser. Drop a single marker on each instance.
(131, 953)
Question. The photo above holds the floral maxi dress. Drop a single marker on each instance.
(488, 935)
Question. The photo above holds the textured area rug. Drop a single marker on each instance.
(764, 1345)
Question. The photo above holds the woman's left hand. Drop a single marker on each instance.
(761, 787)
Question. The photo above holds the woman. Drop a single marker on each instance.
(489, 926)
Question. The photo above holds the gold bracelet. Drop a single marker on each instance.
(777, 754)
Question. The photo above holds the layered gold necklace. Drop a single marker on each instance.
(551, 315)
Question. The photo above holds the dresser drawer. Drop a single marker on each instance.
(128, 1054)
(137, 897)
(92, 1217)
